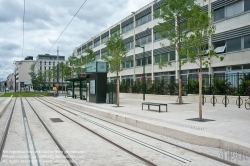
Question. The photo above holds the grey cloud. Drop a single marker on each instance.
(9, 46)
(13, 10)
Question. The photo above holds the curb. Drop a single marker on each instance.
(201, 138)
(5, 104)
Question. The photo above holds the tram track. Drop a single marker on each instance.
(56, 141)
(5, 131)
(163, 152)
(185, 148)
(147, 162)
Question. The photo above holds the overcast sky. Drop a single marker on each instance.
(46, 19)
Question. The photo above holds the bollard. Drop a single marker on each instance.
(225, 100)
(239, 102)
(213, 100)
(203, 99)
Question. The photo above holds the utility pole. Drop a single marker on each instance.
(57, 72)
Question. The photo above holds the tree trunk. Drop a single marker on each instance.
(117, 91)
(200, 93)
(179, 75)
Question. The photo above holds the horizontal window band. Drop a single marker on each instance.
(143, 13)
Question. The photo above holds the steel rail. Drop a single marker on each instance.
(5, 131)
(59, 145)
(106, 139)
(185, 148)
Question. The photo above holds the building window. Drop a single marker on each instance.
(232, 9)
(219, 14)
(127, 27)
(172, 56)
(97, 43)
(148, 60)
(247, 5)
(44, 62)
(41, 62)
(49, 68)
(104, 53)
(97, 57)
(53, 63)
(144, 40)
(105, 39)
(161, 57)
(143, 19)
(116, 32)
(49, 62)
(247, 42)
(79, 52)
(41, 68)
(235, 9)
(129, 45)
(44, 68)
(138, 62)
(234, 44)
(157, 36)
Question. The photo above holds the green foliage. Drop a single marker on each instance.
(193, 87)
(174, 25)
(32, 74)
(116, 53)
(172, 88)
(245, 85)
(221, 86)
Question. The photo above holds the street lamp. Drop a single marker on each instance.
(143, 64)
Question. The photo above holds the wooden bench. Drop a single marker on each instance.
(154, 104)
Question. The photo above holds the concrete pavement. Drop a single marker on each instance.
(227, 127)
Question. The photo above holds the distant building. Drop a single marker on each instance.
(46, 62)
(10, 81)
(23, 80)
(28, 58)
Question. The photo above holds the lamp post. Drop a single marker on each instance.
(143, 65)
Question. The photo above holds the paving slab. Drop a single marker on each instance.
(4, 102)
(229, 124)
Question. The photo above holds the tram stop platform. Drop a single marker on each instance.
(223, 129)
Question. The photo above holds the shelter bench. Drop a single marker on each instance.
(154, 104)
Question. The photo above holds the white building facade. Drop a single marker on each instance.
(46, 62)
(231, 40)
(23, 79)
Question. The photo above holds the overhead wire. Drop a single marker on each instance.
(23, 25)
(67, 25)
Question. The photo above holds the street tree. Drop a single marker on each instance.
(54, 73)
(72, 61)
(89, 57)
(197, 47)
(49, 77)
(32, 74)
(174, 14)
(116, 53)
(62, 70)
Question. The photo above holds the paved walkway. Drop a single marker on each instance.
(231, 121)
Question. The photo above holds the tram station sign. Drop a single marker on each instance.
(96, 67)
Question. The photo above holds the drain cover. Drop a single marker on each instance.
(56, 120)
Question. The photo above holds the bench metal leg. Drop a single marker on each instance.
(166, 108)
(159, 108)
(141, 106)
(148, 107)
